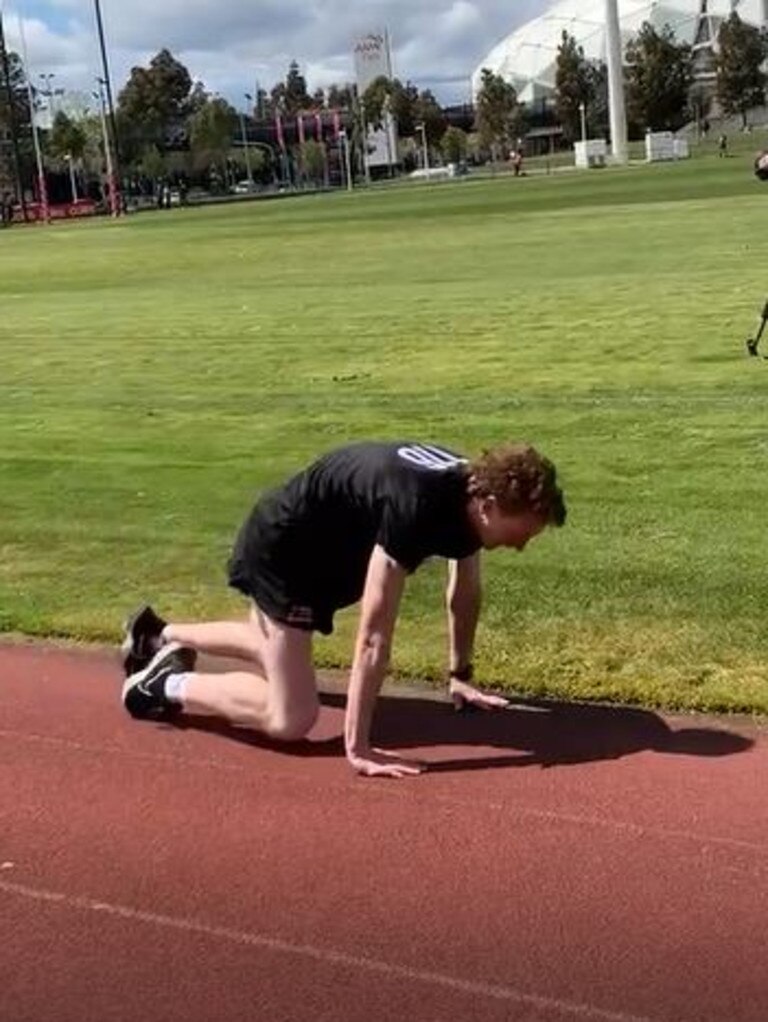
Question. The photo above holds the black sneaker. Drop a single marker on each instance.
(144, 692)
(143, 638)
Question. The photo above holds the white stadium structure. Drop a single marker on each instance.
(526, 58)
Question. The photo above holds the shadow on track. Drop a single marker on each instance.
(531, 733)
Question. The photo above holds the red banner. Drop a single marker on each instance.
(66, 211)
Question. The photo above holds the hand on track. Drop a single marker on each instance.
(378, 763)
(467, 696)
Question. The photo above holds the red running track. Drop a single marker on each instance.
(556, 863)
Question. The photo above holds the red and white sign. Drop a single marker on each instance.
(65, 211)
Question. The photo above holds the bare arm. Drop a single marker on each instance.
(381, 599)
(463, 598)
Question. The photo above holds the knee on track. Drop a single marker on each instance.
(293, 726)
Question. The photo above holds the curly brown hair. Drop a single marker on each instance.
(520, 479)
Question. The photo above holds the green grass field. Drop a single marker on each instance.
(156, 374)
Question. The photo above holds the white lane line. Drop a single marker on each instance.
(328, 956)
(548, 815)
(638, 829)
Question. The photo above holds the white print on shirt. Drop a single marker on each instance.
(428, 456)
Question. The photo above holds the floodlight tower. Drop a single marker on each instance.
(617, 108)
(115, 184)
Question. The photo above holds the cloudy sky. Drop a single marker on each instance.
(231, 44)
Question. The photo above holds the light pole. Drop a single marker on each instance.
(388, 123)
(113, 197)
(107, 83)
(421, 127)
(347, 162)
(246, 147)
(365, 136)
(72, 180)
(583, 113)
(616, 104)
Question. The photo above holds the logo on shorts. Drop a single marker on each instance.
(300, 616)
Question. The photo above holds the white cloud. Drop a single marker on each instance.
(229, 44)
(461, 17)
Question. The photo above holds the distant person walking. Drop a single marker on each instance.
(722, 145)
(517, 162)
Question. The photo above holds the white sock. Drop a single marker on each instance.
(176, 688)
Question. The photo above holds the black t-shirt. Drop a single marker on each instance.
(311, 539)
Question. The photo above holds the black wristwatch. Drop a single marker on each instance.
(465, 673)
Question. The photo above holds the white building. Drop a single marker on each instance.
(373, 59)
(527, 58)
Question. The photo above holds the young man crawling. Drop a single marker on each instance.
(351, 527)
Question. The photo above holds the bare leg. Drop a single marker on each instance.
(239, 697)
(283, 703)
(241, 639)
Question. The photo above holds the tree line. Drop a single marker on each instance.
(661, 89)
(169, 124)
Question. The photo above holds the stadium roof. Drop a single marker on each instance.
(527, 57)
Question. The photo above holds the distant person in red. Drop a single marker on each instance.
(349, 528)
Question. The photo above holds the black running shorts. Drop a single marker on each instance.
(290, 602)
